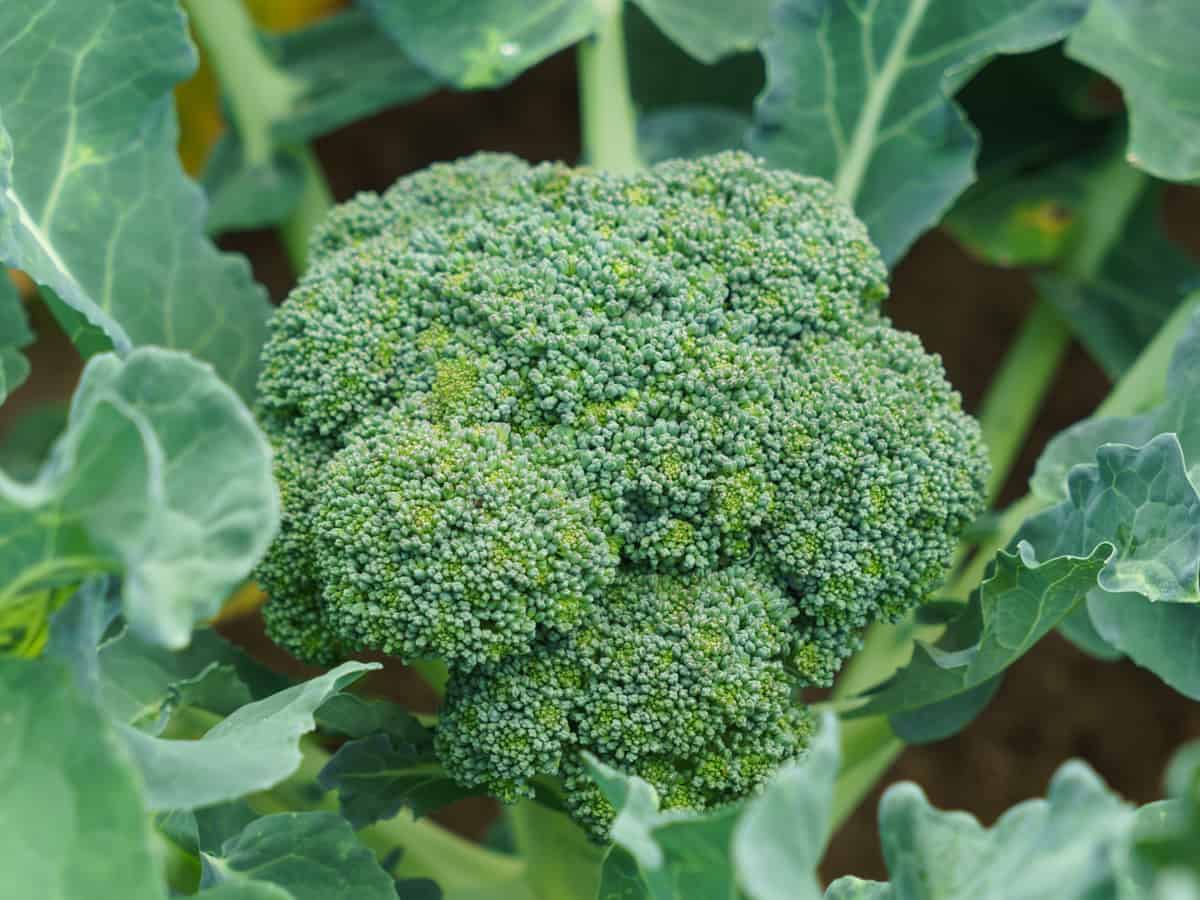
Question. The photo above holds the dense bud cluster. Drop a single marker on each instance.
(637, 456)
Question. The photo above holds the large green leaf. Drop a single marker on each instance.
(1158, 636)
(710, 29)
(1143, 279)
(251, 750)
(1126, 536)
(1065, 847)
(377, 776)
(14, 334)
(1179, 414)
(93, 201)
(70, 805)
(475, 44)
(766, 848)
(781, 836)
(859, 93)
(1023, 219)
(311, 855)
(161, 475)
(1015, 607)
(1141, 503)
(1149, 49)
(343, 68)
(318, 78)
(28, 437)
(662, 75)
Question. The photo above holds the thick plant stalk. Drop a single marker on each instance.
(609, 123)
(258, 93)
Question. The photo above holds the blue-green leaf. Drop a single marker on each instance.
(343, 68)
(251, 750)
(1015, 607)
(378, 775)
(781, 836)
(14, 334)
(93, 201)
(710, 29)
(687, 132)
(662, 75)
(1149, 49)
(859, 93)
(1143, 279)
(1062, 848)
(162, 476)
(70, 805)
(311, 855)
(1178, 413)
(244, 194)
(476, 44)
(938, 721)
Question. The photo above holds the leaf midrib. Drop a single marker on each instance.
(850, 174)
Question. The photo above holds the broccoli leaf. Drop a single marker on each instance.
(1128, 531)
(1178, 413)
(710, 29)
(1020, 220)
(249, 194)
(767, 847)
(1143, 279)
(1149, 49)
(479, 45)
(344, 68)
(161, 475)
(860, 94)
(688, 132)
(389, 764)
(323, 76)
(1160, 637)
(1063, 847)
(662, 75)
(28, 437)
(141, 684)
(87, 154)
(378, 775)
(1014, 608)
(14, 334)
(251, 750)
(311, 855)
(69, 798)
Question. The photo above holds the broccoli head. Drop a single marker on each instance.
(637, 456)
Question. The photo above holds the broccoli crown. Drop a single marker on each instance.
(637, 456)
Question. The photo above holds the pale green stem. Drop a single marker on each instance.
(1018, 388)
(312, 206)
(258, 94)
(868, 750)
(609, 122)
(561, 863)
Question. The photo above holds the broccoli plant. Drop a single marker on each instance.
(621, 455)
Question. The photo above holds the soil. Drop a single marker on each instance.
(1055, 704)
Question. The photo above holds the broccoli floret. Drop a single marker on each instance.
(682, 679)
(638, 456)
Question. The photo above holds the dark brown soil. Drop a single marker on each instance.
(1055, 704)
